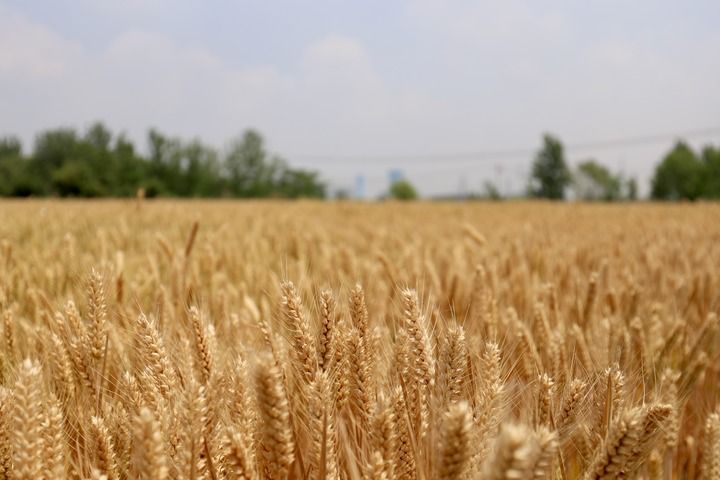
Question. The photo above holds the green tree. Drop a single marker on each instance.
(131, 170)
(16, 179)
(403, 190)
(165, 163)
(99, 136)
(87, 165)
(51, 150)
(631, 189)
(300, 184)
(201, 171)
(10, 147)
(678, 176)
(94, 152)
(14, 176)
(593, 181)
(98, 163)
(710, 184)
(250, 172)
(76, 179)
(550, 175)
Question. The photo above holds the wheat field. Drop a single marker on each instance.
(279, 340)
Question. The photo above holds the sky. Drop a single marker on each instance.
(452, 93)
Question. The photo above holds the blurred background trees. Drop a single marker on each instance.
(100, 164)
(678, 175)
(684, 174)
(593, 181)
(550, 175)
(402, 190)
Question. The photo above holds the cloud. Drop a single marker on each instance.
(338, 59)
(28, 49)
(491, 26)
(554, 67)
(333, 100)
(129, 8)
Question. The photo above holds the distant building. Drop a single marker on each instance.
(395, 176)
(360, 187)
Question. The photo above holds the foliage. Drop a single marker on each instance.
(96, 164)
(593, 181)
(10, 147)
(681, 175)
(710, 180)
(299, 184)
(550, 175)
(403, 190)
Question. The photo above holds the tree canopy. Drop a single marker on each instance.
(403, 190)
(710, 179)
(594, 181)
(683, 175)
(550, 174)
(98, 163)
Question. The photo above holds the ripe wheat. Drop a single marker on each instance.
(213, 340)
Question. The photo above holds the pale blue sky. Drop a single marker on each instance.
(379, 78)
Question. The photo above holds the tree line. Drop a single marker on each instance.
(682, 174)
(99, 164)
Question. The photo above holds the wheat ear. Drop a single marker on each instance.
(104, 449)
(98, 317)
(327, 330)
(612, 459)
(6, 423)
(711, 447)
(323, 451)
(203, 353)
(27, 421)
(149, 461)
(456, 442)
(276, 441)
(298, 327)
(152, 349)
(238, 458)
(512, 455)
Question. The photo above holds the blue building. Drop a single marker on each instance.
(360, 187)
(395, 176)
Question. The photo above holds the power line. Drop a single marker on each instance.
(492, 155)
